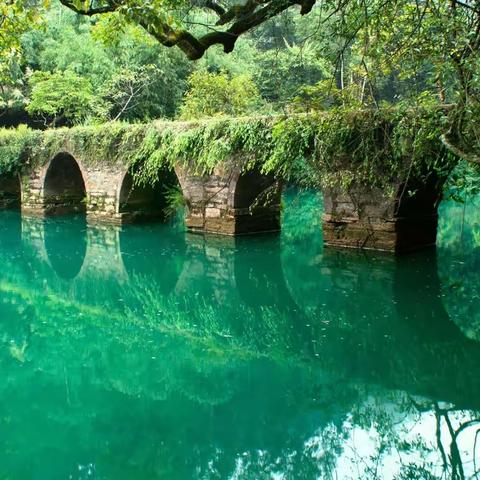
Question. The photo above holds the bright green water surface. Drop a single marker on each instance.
(146, 353)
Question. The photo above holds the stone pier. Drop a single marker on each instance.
(230, 202)
(371, 218)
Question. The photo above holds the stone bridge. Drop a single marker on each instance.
(225, 202)
(228, 201)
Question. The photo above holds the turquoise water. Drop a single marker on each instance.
(146, 353)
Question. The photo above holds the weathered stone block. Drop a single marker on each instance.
(372, 219)
(211, 212)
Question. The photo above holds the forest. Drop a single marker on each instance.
(72, 70)
(90, 62)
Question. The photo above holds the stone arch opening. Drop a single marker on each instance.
(419, 198)
(416, 212)
(256, 202)
(10, 191)
(144, 202)
(64, 186)
(254, 189)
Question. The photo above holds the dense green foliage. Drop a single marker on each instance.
(60, 94)
(211, 94)
(341, 148)
(132, 78)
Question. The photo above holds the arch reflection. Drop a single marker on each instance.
(10, 230)
(66, 244)
(459, 262)
(383, 321)
(258, 272)
(441, 358)
(153, 254)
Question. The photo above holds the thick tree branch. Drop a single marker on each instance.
(212, 5)
(465, 4)
(469, 157)
(244, 18)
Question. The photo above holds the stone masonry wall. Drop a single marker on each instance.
(211, 204)
(370, 219)
(102, 183)
(211, 199)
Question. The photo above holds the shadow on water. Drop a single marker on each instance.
(258, 273)
(383, 320)
(10, 230)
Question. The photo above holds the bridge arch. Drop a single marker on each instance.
(416, 212)
(64, 186)
(251, 189)
(10, 191)
(255, 200)
(138, 201)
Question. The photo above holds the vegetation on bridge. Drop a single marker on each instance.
(340, 148)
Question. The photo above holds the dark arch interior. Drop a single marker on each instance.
(10, 191)
(145, 202)
(66, 245)
(416, 209)
(253, 188)
(64, 187)
(424, 200)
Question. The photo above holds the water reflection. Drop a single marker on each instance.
(459, 251)
(186, 357)
(258, 273)
(10, 230)
(154, 253)
(66, 244)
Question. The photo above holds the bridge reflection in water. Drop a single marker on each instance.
(143, 352)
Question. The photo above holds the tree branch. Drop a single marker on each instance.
(469, 157)
(244, 18)
(214, 6)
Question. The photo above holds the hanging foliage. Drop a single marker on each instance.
(340, 148)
